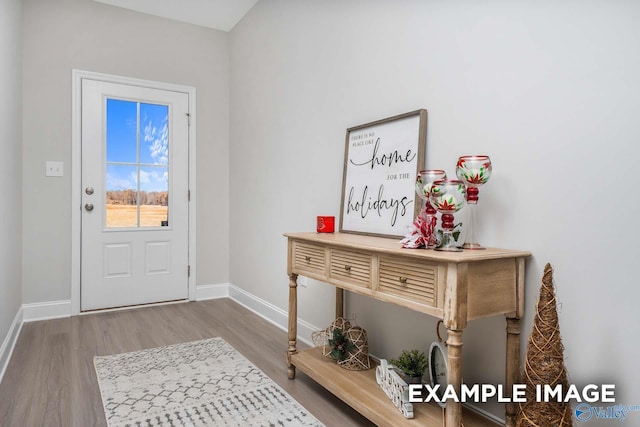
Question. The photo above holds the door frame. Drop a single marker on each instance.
(76, 172)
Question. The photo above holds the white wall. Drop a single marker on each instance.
(60, 35)
(549, 89)
(10, 166)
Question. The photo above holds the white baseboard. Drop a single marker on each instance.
(205, 292)
(270, 312)
(9, 342)
(46, 310)
(264, 309)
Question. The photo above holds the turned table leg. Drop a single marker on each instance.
(339, 302)
(512, 374)
(512, 369)
(293, 324)
(454, 367)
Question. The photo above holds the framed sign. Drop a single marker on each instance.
(381, 163)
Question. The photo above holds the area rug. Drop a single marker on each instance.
(200, 383)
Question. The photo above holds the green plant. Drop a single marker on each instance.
(412, 363)
(340, 345)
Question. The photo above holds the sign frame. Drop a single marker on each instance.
(381, 162)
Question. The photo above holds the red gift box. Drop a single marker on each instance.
(326, 224)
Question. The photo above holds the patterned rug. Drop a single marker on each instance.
(200, 383)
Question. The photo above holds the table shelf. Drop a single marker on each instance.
(360, 390)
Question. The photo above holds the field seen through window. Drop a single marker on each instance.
(122, 208)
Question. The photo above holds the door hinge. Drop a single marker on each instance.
(188, 271)
(188, 195)
(188, 119)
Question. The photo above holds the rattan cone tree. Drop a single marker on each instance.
(544, 363)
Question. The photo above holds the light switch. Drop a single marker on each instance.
(54, 168)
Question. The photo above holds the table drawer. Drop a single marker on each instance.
(352, 267)
(308, 257)
(408, 279)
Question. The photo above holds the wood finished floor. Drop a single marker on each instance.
(50, 380)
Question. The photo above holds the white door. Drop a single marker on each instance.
(135, 209)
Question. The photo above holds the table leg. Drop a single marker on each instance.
(454, 365)
(293, 324)
(512, 374)
(339, 302)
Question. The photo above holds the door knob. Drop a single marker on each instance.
(89, 206)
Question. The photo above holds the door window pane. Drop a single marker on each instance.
(137, 172)
(122, 131)
(122, 196)
(154, 191)
(154, 144)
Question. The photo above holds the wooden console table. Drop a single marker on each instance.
(453, 286)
